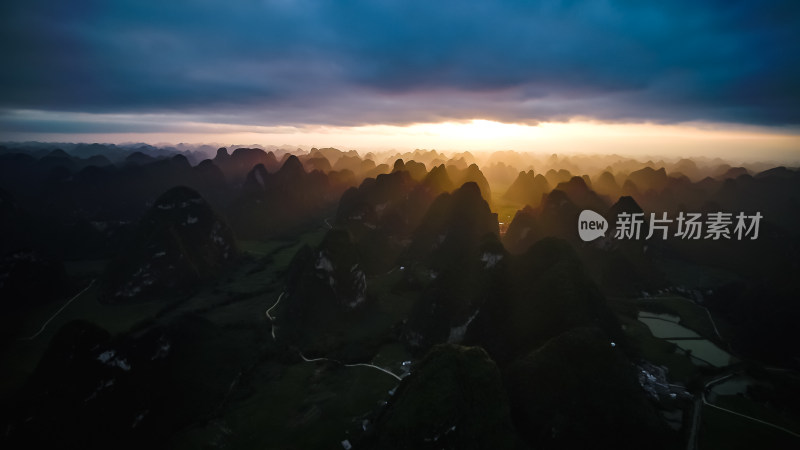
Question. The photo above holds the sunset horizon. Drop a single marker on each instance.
(642, 140)
(611, 77)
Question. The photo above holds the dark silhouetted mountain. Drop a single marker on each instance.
(624, 265)
(96, 160)
(557, 216)
(354, 164)
(521, 233)
(456, 293)
(326, 294)
(776, 195)
(291, 170)
(417, 170)
(378, 170)
(555, 177)
(456, 255)
(687, 167)
(271, 204)
(256, 180)
(453, 400)
(16, 225)
(135, 390)
(629, 188)
(28, 280)
(334, 156)
(112, 152)
(67, 374)
(648, 178)
(210, 172)
(57, 159)
(53, 224)
(606, 184)
(337, 265)
(582, 195)
(764, 313)
(500, 175)
(458, 163)
(241, 162)
(139, 158)
(438, 180)
(381, 214)
(468, 157)
(108, 193)
(342, 179)
(179, 243)
(18, 173)
(453, 225)
(548, 291)
(222, 154)
(408, 262)
(209, 180)
(578, 391)
(625, 204)
(777, 172)
(471, 174)
(527, 189)
(734, 172)
(319, 163)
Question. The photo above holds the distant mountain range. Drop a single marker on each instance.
(235, 297)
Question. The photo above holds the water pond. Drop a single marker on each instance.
(667, 326)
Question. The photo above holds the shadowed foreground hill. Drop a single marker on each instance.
(325, 294)
(179, 243)
(547, 292)
(455, 252)
(92, 390)
(579, 392)
(454, 400)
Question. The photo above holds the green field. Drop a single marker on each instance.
(238, 295)
(257, 393)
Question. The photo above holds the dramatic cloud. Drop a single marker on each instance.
(284, 62)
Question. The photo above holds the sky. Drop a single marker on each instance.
(718, 78)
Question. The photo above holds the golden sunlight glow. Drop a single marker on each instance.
(484, 130)
(587, 137)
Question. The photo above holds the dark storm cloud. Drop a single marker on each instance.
(348, 62)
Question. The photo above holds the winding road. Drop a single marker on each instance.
(397, 377)
(272, 319)
(702, 401)
(30, 338)
(725, 377)
(272, 322)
